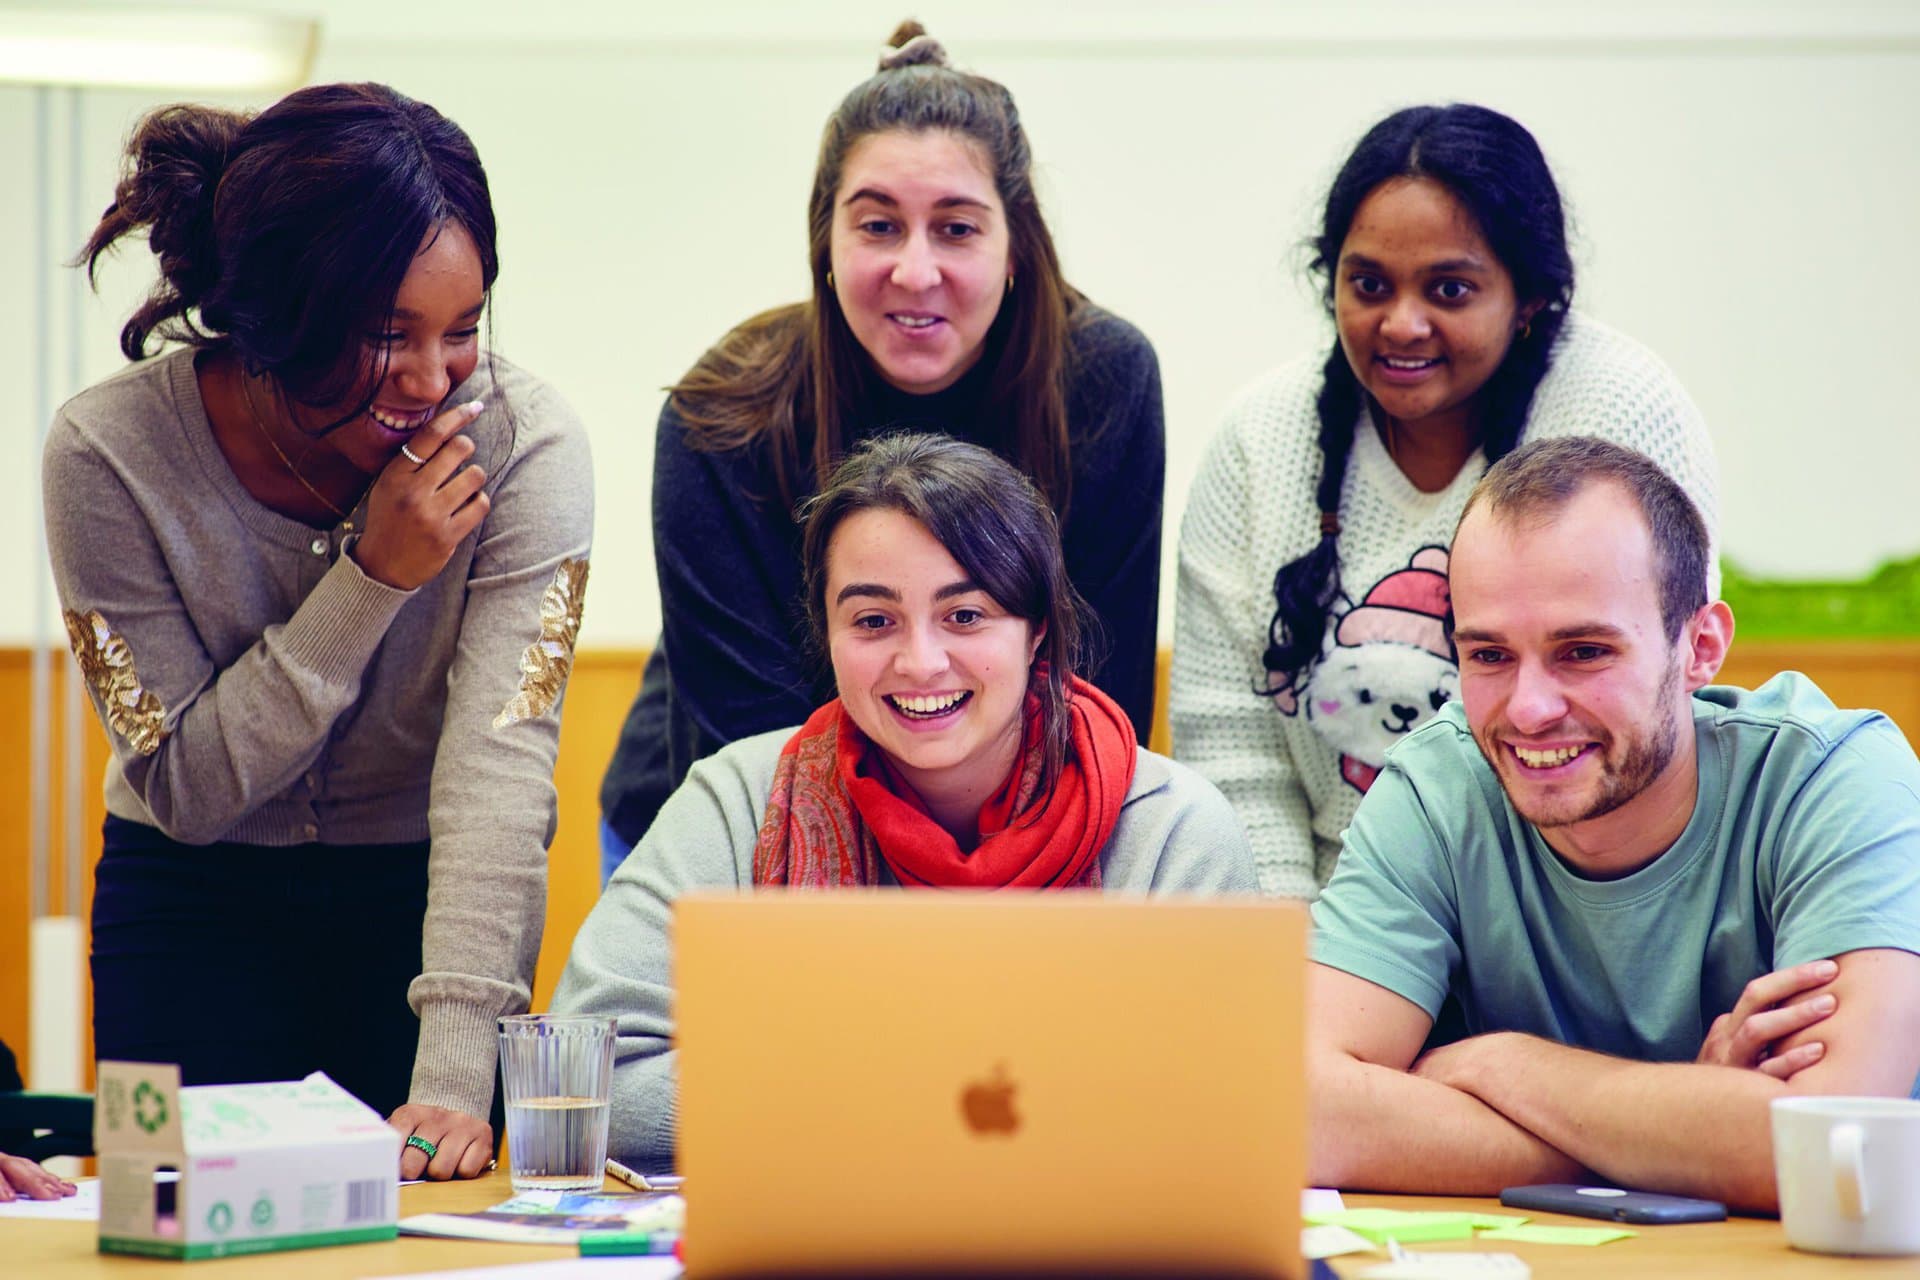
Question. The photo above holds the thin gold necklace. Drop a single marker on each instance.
(253, 411)
(1391, 440)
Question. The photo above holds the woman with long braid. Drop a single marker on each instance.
(1310, 625)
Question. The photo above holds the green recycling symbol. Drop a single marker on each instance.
(149, 1106)
(263, 1213)
(220, 1217)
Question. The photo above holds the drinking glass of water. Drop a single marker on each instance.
(558, 1074)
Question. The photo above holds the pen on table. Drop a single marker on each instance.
(628, 1243)
(639, 1181)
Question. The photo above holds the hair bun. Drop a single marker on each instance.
(174, 162)
(913, 47)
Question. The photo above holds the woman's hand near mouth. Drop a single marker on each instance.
(418, 512)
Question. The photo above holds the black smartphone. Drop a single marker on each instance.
(1613, 1204)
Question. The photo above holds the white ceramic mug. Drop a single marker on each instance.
(1848, 1170)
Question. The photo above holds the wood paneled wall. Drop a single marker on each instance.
(16, 875)
(1883, 674)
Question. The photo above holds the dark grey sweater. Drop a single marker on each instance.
(733, 656)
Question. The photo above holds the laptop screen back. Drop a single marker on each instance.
(891, 1080)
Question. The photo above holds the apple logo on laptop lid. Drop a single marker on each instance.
(987, 1105)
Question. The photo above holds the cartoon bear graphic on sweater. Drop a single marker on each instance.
(1387, 667)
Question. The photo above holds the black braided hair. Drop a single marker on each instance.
(1494, 168)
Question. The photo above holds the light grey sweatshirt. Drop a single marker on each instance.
(258, 687)
(1176, 834)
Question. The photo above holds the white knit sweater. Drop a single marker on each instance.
(1294, 768)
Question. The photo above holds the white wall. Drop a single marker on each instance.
(1744, 181)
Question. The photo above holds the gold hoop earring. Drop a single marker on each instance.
(1009, 282)
(829, 279)
(1526, 330)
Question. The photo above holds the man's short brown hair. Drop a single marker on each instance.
(1538, 479)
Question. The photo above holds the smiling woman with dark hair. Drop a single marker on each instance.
(325, 599)
(963, 750)
(937, 304)
(1308, 634)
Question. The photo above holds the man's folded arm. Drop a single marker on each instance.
(1690, 1128)
(1374, 1126)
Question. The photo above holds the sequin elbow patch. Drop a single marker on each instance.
(107, 663)
(546, 663)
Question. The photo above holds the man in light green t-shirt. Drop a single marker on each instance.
(1595, 922)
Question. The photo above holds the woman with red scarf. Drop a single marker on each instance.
(962, 751)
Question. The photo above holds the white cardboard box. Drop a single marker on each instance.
(261, 1167)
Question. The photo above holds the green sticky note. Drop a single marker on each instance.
(1537, 1234)
(1497, 1221)
(1406, 1226)
(1418, 1232)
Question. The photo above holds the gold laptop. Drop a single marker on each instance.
(896, 1082)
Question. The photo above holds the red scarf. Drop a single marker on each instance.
(837, 810)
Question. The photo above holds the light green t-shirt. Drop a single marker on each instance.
(1804, 843)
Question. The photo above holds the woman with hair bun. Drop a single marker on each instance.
(1310, 630)
(938, 304)
(322, 566)
(958, 748)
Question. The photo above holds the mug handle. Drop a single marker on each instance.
(1846, 1150)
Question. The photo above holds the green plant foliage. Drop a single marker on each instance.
(1882, 605)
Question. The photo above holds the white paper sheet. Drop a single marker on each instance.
(1321, 1200)
(1332, 1241)
(84, 1207)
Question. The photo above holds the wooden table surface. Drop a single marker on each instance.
(1746, 1248)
